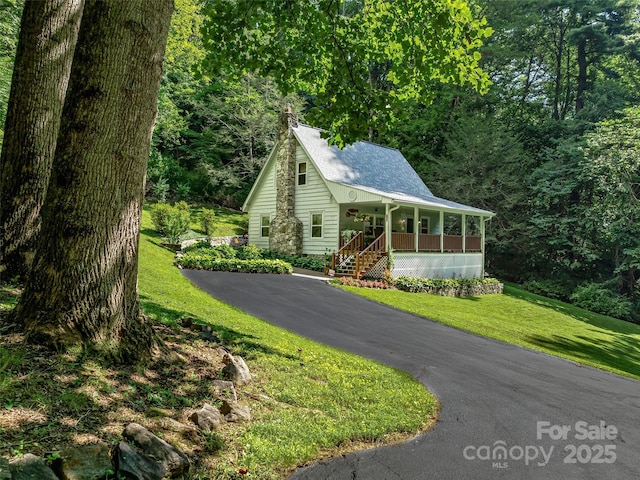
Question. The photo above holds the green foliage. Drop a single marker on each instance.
(308, 263)
(210, 261)
(433, 285)
(560, 289)
(600, 298)
(249, 252)
(207, 221)
(171, 221)
(361, 66)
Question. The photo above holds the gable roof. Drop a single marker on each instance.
(373, 168)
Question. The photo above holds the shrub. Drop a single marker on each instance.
(600, 298)
(176, 224)
(172, 222)
(435, 285)
(309, 263)
(199, 259)
(249, 252)
(207, 221)
(364, 283)
(551, 288)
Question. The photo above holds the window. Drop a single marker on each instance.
(424, 225)
(302, 173)
(265, 221)
(316, 225)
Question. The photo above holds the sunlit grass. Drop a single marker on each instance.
(532, 321)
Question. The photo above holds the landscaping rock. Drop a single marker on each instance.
(207, 418)
(235, 369)
(225, 390)
(131, 465)
(5, 473)
(85, 462)
(30, 467)
(172, 425)
(206, 333)
(234, 412)
(174, 461)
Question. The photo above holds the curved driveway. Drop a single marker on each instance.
(507, 412)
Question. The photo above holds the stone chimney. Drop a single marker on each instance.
(285, 233)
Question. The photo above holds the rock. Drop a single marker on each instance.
(85, 462)
(131, 465)
(174, 461)
(235, 369)
(5, 473)
(30, 467)
(225, 390)
(172, 425)
(207, 418)
(234, 412)
(187, 322)
(206, 333)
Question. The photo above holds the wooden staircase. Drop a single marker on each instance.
(353, 260)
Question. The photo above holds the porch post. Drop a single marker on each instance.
(416, 226)
(464, 233)
(482, 219)
(441, 231)
(387, 227)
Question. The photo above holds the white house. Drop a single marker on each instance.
(360, 204)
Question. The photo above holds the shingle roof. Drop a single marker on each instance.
(373, 168)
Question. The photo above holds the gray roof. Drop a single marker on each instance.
(372, 168)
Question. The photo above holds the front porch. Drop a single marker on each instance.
(424, 242)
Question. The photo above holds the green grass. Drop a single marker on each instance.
(310, 398)
(531, 321)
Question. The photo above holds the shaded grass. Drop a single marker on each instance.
(531, 321)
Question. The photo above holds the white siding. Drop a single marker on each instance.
(263, 203)
(314, 197)
(437, 265)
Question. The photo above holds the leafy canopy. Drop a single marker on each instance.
(361, 61)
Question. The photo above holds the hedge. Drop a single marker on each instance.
(205, 261)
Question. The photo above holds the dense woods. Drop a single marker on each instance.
(547, 137)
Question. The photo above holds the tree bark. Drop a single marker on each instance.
(582, 74)
(48, 34)
(82, 288)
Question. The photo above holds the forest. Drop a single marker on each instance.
(548, 138)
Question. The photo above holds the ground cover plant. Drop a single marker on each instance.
(529, 320)
(307, 401)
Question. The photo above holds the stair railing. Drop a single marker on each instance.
(370, 255)
(348, 250)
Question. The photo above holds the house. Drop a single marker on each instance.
(360, 204)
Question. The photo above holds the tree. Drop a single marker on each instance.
(82, 288)
(43, 61)
(361, 63)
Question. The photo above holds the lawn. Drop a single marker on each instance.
(307, 401)
(531, 321)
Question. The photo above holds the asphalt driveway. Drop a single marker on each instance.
(507, 412)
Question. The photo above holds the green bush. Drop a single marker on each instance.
(600, 298)
(309, 263)
(158, 216)
(198, 259)
(551, 288)
(207, 221)
(414, 285)
(249, 252)
(172, 222)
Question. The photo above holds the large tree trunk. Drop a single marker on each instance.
(82, 288)
(48, 34)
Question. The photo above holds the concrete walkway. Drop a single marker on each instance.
(507, 412)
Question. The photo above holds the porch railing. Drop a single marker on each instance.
(405, 242)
